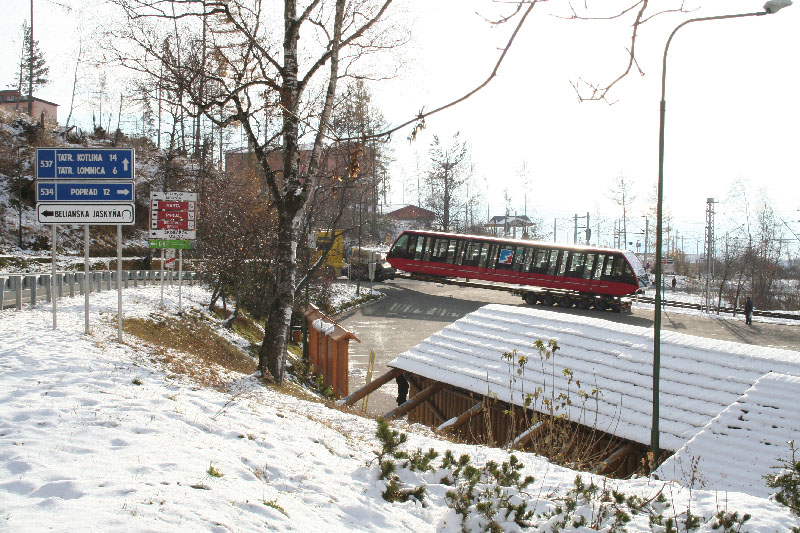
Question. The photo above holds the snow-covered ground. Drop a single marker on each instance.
(96, 436)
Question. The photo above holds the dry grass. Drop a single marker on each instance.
(188, 345)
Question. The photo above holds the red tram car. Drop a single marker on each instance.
(546, 272)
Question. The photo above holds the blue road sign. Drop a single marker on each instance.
(92, 191)
(85, 163)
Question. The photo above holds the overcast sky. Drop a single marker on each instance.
(731, 108)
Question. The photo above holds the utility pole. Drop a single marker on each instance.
(555, 229)
(19, 193)
(588, 229)
(30, 67)
(575, 236)
(709, 248)
(646, 234)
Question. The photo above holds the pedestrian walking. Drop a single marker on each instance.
(402, 389)
(674, 282)
(748, 312)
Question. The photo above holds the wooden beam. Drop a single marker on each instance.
(457, 421)
(435, 410)
(369, 387)
(415, 400)
(611, 462)
(528, 434)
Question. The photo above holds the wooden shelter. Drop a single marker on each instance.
(328, 346)
(575, 389)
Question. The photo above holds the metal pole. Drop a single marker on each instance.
(180, 280)
(588, 230)
(86, 277)
(119, 282)
(575, 229)
(654, 434)
(53, 281)
(161, 275)
(555, 229)
(19, 193)
(304, 328)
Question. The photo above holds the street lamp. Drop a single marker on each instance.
(772, 6)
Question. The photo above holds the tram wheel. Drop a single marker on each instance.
(529, 298)
(565, 301)
(583, 304)
(548, 299)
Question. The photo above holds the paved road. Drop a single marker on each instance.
(414, 310)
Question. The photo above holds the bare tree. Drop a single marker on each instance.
(622, 195)
(278, 82)
(445, 180)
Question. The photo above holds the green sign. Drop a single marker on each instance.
(167, 243)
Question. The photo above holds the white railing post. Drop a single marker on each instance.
(31, 280)
(18, 291)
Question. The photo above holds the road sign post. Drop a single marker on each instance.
(89, 186)
(173, 227)
(85, 163)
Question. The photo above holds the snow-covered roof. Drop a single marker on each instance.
(757, 427)
(699, 377)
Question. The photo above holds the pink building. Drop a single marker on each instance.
(10, 100)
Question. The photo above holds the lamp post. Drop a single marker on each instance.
(772, 6)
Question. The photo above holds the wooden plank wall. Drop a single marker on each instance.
(493, 426)
(330, 359)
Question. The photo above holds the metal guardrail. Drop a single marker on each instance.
(21, 289)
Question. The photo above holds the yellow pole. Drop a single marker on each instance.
(370, 368)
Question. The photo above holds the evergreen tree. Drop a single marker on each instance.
(33, 70)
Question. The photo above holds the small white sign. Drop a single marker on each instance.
(89, 213)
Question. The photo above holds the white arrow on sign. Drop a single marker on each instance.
(123, 192)
(125, 164)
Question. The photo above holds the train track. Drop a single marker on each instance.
(643, 299)
(726, 310)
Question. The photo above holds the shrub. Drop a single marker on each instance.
(787, 481)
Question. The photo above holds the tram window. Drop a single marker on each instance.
(598, 269)
(609, 267)
(530, 260)
(400, 248)
(473, 250)
(451, 252)
(587, 267)
(519, 257)
(562, 265)
(439, 250)
(541, 262)
(619, 268)
(459, 253)
(622, 271)
(576, 265)
(552, 262)
(420, 245)
(426, 249)
(412, 245)
(505, 257)
(484, 254)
